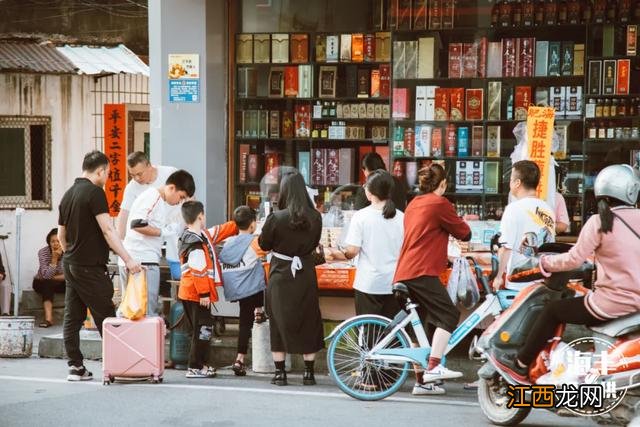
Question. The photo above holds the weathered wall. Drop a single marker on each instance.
(67, 100)
(97, 21)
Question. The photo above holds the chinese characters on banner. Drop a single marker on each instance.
(539, 137)
(116, 150)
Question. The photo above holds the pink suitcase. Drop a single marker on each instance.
(133, 348)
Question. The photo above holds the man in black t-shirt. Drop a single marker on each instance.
(86, 232)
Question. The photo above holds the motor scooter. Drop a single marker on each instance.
(617, 341)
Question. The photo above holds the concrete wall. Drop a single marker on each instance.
(192, 136)
(75, 105)
(67, 100)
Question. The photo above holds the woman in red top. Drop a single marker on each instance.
(428, 221)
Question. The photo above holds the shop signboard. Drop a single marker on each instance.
(184, 77)
(115, 140)
(539, 136)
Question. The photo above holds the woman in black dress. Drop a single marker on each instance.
(292, 234)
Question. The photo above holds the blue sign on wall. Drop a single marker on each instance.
(184, 90)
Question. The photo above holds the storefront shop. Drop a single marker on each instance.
(317, 84)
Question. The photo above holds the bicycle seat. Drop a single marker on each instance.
(400, 289)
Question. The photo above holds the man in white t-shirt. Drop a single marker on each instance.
(150, 226)
(526, 214)
(144, 175)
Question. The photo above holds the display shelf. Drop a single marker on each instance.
(540, 80)
(608, 118)
(292, 98)
(375, 141)
(628, 95)
(348, 119)
(449, 158)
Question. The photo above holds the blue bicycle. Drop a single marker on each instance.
(370, 356)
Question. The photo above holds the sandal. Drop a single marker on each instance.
(260, 317)
(239, 369)
(45, 324)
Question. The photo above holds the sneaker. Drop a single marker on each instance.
(427, 389)
(206, 372)
(79, 373)
(439, 373)
(508, 363)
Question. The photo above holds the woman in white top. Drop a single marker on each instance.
(375, 235)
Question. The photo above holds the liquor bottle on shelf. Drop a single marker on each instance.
(528, 13)
(587, 12)
(539, 13)
(495, 13)
(599, 107)
(504, 18)
(612, 9)
(577, 216)
(563, 10)
(516, 13)
(551, 12)
(606, 109)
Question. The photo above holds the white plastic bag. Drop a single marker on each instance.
(462, 285)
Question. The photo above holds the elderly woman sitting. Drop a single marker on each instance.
(50, 277)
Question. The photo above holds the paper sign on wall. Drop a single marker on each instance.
(184, 77)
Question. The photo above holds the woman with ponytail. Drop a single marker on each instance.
(428, 222)
(375, 235)
(614, 236)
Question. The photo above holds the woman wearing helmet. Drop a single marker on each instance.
(614, 236)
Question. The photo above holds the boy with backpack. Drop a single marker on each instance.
(244, 278)
(199, 278)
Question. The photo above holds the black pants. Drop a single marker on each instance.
(201, 323)
(247, 309)
(570, 310)
(47, 288)
(436, 309)
(383, 305)
(87, 287)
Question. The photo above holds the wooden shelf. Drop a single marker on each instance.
(449, 158)
(375, 141)
(628, 95)
(467, 80)
(295, 99)
(293, 64)
(348, 119)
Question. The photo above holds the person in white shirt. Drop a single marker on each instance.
(375, 236)
(526, 214)
(150, 226)
(144, 175)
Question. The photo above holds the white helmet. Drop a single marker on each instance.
(620, 182)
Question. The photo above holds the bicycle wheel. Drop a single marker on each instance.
(348, 365)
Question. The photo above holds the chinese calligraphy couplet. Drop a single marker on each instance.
(539, 138)
(115, 147)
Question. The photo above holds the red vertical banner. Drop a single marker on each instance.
(115, 140)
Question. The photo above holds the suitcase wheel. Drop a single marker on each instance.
(156, 380)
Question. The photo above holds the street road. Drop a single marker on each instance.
(34, 392)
